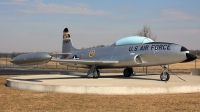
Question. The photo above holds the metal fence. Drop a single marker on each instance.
(5, 59)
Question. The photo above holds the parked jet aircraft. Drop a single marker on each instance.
(133, 51)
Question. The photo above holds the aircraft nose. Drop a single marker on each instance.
(14, 60)
(190, 57)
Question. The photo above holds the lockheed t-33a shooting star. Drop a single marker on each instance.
(129, 52)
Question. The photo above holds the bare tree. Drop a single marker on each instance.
(146, 32)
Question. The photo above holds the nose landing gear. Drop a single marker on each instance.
(164, 76)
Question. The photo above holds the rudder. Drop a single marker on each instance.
(67, 44)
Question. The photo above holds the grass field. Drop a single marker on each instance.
(21, 100)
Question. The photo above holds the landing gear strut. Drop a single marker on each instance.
(128, 72)
(164, 76)
(93, 72)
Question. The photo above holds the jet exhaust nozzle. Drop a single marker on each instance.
(31, 59)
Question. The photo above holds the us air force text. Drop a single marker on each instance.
(150, 47)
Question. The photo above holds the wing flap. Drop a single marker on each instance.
(85, 62)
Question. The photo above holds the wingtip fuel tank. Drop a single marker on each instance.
(31, 58)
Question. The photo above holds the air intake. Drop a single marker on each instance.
(138, 60)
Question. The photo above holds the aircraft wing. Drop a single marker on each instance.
(85, 62)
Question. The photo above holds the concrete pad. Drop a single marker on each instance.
(108, 83)
(195, 71)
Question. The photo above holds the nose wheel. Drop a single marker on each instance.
(164, 76)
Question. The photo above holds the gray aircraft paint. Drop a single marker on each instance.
(139, 57)
(32, 59)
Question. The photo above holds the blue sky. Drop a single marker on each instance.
(37, 25)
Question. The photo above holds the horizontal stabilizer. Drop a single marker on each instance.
(61, 54)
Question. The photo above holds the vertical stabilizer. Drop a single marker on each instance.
(67, 43)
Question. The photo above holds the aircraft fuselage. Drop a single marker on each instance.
(149, 54)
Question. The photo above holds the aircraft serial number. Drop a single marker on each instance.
(152, 47)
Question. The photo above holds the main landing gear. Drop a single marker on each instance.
(93, 72)
(164, 76)
(128, 72)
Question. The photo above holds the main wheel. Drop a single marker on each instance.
(98, 73)
(127, 72)
(164, 77)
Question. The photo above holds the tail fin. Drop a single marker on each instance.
(67, 44)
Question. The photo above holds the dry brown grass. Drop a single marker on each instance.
(21, 100)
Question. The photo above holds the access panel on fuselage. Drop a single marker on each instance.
(101, 53)
(120, 53)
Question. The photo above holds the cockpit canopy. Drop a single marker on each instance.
(133, 40)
